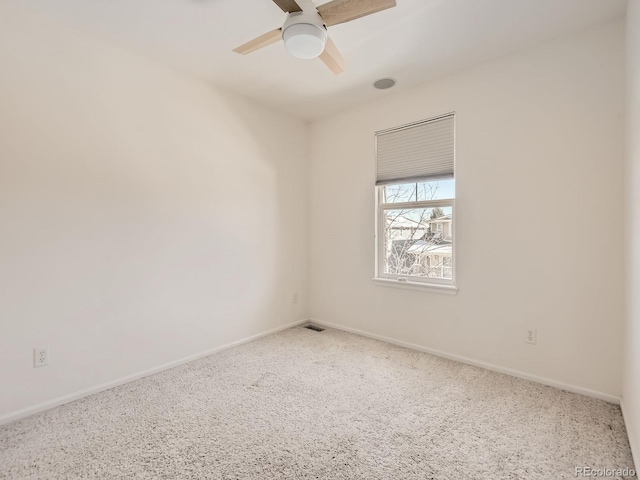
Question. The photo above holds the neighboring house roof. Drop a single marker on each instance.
(422, 247)
(404, 222)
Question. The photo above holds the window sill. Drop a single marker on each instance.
(425, 287)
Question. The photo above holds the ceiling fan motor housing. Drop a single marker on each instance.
(304, 34)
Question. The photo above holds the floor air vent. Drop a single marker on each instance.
(314, 328)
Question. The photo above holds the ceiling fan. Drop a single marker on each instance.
(304, 31)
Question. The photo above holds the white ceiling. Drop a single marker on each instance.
(417, 41)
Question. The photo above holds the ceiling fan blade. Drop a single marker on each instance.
(341, 11)
(288, 5)
(332, 58)
(262, 41)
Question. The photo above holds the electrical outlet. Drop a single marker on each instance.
(532, 336)
(295, 298)
(40, 356)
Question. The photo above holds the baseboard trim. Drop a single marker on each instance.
(469, 361)
(630, 434)
(56, 402)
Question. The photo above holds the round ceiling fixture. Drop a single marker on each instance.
(304, 40)
(384, 83)
(304, 35)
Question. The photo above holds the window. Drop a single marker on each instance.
(415, 192)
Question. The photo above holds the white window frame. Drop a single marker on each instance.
(394, 280)
(437, 285)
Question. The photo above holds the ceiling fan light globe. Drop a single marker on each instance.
(304, 40)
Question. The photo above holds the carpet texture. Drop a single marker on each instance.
(301, 404)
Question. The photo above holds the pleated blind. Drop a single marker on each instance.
(421, 151)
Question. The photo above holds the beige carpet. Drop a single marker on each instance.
(301, 404)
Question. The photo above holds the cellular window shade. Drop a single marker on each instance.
(418, 152)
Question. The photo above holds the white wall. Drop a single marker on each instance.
(145, 216)
(631, 362)
(539, 214)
